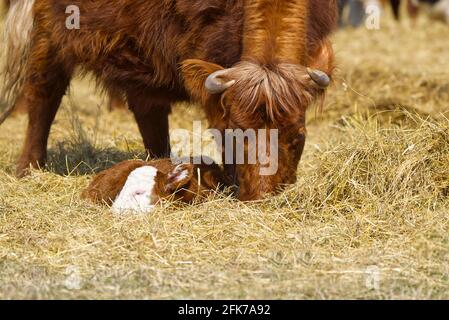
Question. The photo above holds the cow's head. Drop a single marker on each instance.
(256, 97)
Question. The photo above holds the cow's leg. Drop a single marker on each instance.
(152, 120)
(41, 96)
(396, 6)
(413, 10)
(341, 9)
(356, 13)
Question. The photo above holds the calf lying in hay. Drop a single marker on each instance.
(136, 186)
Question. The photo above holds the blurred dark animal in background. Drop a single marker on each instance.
(396, 7)
(438, 9)
(356, 9)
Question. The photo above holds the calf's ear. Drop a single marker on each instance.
(195, 73)
(179, 177)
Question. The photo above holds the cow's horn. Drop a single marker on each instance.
(321, 78)
(215, 83)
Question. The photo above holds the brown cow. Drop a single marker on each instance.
(253, 64)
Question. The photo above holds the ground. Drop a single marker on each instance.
(368, 217)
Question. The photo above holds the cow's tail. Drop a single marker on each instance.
(16, 45)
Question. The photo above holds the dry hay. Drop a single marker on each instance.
(368, 217)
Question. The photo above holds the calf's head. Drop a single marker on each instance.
(267, 103)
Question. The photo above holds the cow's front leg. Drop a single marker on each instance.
(152, 120)
(44, 87)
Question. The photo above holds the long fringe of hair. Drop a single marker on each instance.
(281, 91)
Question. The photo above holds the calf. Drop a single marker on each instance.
(137, 186)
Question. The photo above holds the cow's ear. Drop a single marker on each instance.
(179, 177)
(195, 73)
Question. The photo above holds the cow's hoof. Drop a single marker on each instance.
(24, 167)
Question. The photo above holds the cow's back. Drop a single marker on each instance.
(141, 43)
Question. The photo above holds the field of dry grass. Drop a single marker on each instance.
(368, 218)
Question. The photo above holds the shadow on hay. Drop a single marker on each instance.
(80, 154)
(69, 158)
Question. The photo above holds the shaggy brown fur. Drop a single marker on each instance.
(136, 48)
(275, 30)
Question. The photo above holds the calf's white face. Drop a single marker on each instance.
(137, 195)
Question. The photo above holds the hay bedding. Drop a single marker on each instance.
(368, 218)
